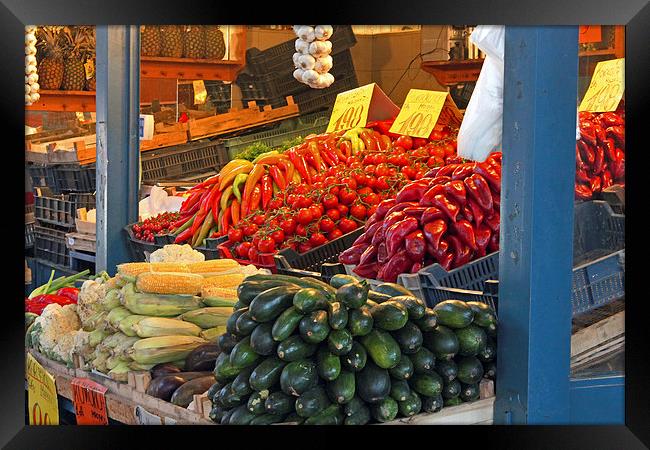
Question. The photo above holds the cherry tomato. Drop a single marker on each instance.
(355, 165)
(347, 225)
(372, 199)
(315, 212)
(343, 210)
(347, 196)
(304, 216)
(370, 168)
(435, 135)
(372, 210)
(288, 226)
(381, 169)
(326, 224)
(317, 239)
(304, 247)
(419, 142)
(349, 182)
(137, 228)
(319, 177)
(250, 229)
(266, 245)
(397, 150)
(364, 191)
(301, 230)
(235, 235)
(330, 201)
(382, 183)
(303, 202)
(334, 213)
(334, 234)
(277, 236)
(242, 249)
(259, 219)
(302, 189)
(450, 150)
(253, 254)
(358, 211)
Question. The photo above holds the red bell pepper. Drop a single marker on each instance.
(465, 232)
(383, 207)
(583, 192)
(382, 253)
(412, 192)
(397, 207)
(267, 190)
(397, 232)
(479, 190)
(447, 206)
(477, 212)
(490, 174)
(482, 234)
(456, 189)
(367, 271)
(353, 254)
(415, 245)
(427, 198)
(71, 292)
(396, 265)
(368, 256)
(392, 218)
(462, 171)
(430, 214)
(433, 232)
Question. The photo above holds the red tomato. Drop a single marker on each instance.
(317, 185)
(435, 135)
(349, 182)
(278, 236)
(288, 226)
(364, 191)
(334, 234)
(137, 228)
(370, 168)
(347, 196)
(347, 225)
(409, 172)
(317, 239)
(419, 142)
(450, 149)
(358, 211)
(397, 150)
(304, 216)
(381, 170)
(304, 247)
(372, 210)
(326, 224)
(315, 212)
(355, 165)
(259, 219)
(405, 141)
(343, 210)
(250, 229)
(380, 158)
(302, 202)
(372, 199)
(330, 201)
(253, 254)
(266, 245)
(334, 213)
(301, 230)
(302, 189)
(382, 183)
(319, 177)
(235, 235)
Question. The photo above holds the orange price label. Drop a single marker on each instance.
(89, 402)
(41, 394)
(420, 113)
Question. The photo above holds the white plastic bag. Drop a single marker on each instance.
(480, 132)
(157, 202)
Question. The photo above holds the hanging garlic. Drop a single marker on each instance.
(298, 73)
(295, 59)
(309, 76)
(306, 33)
(28, 89)
(306, 62)
(329, 79)
(323, 64)
(29, 70)
(30, 60)
(34, 97)
(28, 100)
(34, 87)
(31, 78)
(320, 48)
(302, 46)
(30, 50)
(323, 32)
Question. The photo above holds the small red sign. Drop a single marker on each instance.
(89, 402)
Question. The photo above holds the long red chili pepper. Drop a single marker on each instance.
(225, 220)
(267, 191)
(256, 198)
(214, 208)
(275, 173)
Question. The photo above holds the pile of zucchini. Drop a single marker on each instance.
(302, 351)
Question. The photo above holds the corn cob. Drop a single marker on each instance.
(212, 266)
(169, 283)
(212, 334)
(95, 321)
(210, 317)
(130, 271)
(126, 324)
(96, 337)
(111, 300)
(162, 349)
(160, 326)
(120, 372)
(121, 350)
(116, 315)
(224, 281)
(137, 366)
(113, 361)
(217, 296)
(113, 283)
(160, 305)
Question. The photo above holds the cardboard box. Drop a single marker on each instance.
(85, 227)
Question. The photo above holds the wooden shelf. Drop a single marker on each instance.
(454, 71)
(604, 52)
(68, 101)
(189, 69)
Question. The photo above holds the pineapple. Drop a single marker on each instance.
(50, 64)
(171, 41)
(150, 40)
(193, 42)
(91, 83)
(215, 45)
(74, 73)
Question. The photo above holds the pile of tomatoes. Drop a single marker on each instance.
(160, 224)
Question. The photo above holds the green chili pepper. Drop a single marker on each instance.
(239, 179)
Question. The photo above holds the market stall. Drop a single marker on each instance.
(353, 273)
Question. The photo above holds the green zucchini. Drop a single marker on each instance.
(427, 322)
(454, 313)
(304, 282)
(377, 297)
(415, 307)
(356, 358)
(232, 320)
(294, 348)
(470, 369)
(308, 300)
(298, 377)
(339, 280)
(384, 410)
(409, 338)
(339, 342)
(240, 385)
(399, 390)
(226, 342)
(245, 325)
(341, 390)
(373, 383)
(337, 315)
(354, 294)
(469, 392)
(489, 352)
(353, 406)
(279, 403)
(382, 348)
(267, 419)
(328, 364)
(256, 401)
(360, 321)
(314, 327)
(361, 417)
(248, 290)
(390, 315)
(447, 369)
(451, 389)
(453, 401)
(266, 374)
(269, 304)
(392, 289)
(432, 404)
(224, 371)
(403, 370)
(423, 361)
(484, 316)
(286, 323)
(442, 341)
(312, 402)
(242, 354)
(429, 384)
(262, 341)
(331, 415)
(411, 406)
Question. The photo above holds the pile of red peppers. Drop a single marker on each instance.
(450, 217)
(64, 296)
(600, 153)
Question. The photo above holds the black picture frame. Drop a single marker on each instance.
(635, 14)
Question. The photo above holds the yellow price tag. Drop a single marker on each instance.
(200, 93)
(606, 88)
(419, 113)
(351, 109)
(41, 395)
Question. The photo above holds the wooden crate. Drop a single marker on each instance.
(81, 242)
(164, 140)
(598, 340)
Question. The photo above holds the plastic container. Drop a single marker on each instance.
(266, 259)
(75, 177)
(304, 126)
(598, 265)
(181, 160)
(279, 57)
(29, 235)
(218, 91)
(42, 176)
(49, 245)
(140, 250)
(61, 210)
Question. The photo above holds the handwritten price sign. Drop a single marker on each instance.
(606, 88)
(351, 109)
(41, 395)
(89, 402)
(420, 113)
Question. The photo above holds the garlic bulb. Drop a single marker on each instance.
(306, 62)
(320, 48)
(323, 64)
(306, 33)
(29, 70)
(323, 32)
(31, 78)
(302, 46)
(34, 87)
(295, 59)
(30, 39)
(34, 97)
(30, 29)
(28, 100)
(28, 89)
(310, 76)
(30, 50)
(30, 60)
(298, 73)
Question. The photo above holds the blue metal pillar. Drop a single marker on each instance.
(118, 153)
(535, 262)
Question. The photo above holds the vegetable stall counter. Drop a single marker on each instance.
(122, 400)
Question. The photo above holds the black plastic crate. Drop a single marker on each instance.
(278, 57)
(140, 250)
(462, 93)
(61, 210)
(49, 244)
(290, 262)
(279, 84)
(75, 177)
(181, 160)
(218, 91)
(598, 265)
(42, 176)
(29, 235)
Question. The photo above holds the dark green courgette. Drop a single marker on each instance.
(382, 348)
(354, 294)
(308, 300)
(404, 368)
(294, 348)
(267, 373)
(409, 338)
(328, 364)
(242, 354)
(286, 323)
(411, 406)
(356, 358)
(337, 315)
(298, 377)
(312, 402)
(279, 403)
(415, 307)
(314, 327)
(384, 410)
(341, 390)
(390, 315)
(269, 304)
(339, 342)
(262, 341)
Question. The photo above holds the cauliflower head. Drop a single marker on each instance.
(89, 300)
(52, 333)
(176, 253)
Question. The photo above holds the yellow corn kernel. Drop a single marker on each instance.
(212, 265)
(219, 292)
(224, 281)
(132, 270)
(169, 283)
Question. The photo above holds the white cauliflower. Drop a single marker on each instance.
(176, 253)
(91, 294)
(52, 333)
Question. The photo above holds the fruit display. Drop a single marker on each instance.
(187, 41)
(302, 351)
(31, 77)
(600, 153)
(450, 217)
(159, 224)
(50, 62)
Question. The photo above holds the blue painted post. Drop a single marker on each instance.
(535, 260)
(118, 153)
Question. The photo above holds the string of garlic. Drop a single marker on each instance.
(312, 59)
(31, 76)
